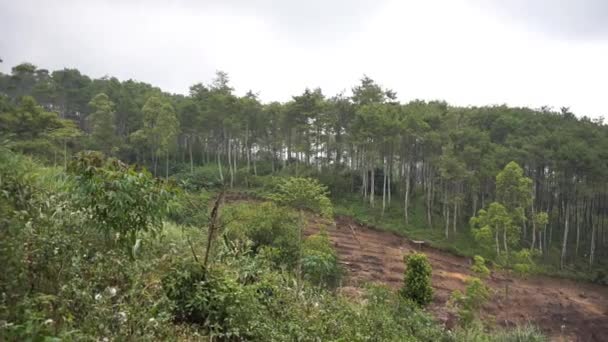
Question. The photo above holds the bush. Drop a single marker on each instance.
(202, 177)
(118, 199)
(303, 193)
(479, 266)
(190, 208)
(320, 262)
(265, 225)
(211, 298)
(469, 303)
(417, 280)
(523, 262)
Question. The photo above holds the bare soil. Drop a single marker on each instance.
(563, 309)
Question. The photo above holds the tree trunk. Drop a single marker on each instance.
(533, 226)
(191, 158)
(455, 217)
(592, 246)
(219, 166)
(407, 193)
(65, 155)
(497, 244)
(230, 162)
(565, 240)
(447, 220)
(372, 191)
(578, 229)
(504, 239)
(383, 185)
(167, 165)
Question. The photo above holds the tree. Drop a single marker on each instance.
(103, 130)
(160, 129)
(65, 134)
(494, 222)
(514, 190)
(301, 194)
(30, 125)
(417, 279)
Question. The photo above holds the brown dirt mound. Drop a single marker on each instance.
(562, 308)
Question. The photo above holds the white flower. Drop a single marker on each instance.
(98, 296)
(122, 317)
(48, 322)
(153, 321)
(112, 291)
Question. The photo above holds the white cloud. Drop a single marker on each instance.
(454, 50)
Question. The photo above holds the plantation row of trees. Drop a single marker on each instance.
(430, 157)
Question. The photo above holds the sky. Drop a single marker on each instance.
(467, 52)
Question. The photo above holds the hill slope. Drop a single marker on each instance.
(559, 307)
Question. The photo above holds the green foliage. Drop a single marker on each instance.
(523, 262)
(117, 198)
(417, 280)
(479, 267)
(201, 177)
(468, 304)
(303, 193)
(513, 189)
(102, 119)
(30, 127)
(265, 225)
(59, 281)
(320, 262)
(189, 208)
(212, 299)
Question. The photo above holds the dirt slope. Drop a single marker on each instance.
(562, 308)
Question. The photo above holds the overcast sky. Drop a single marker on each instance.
(467, 52)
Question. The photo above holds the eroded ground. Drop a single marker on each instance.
(561, 308)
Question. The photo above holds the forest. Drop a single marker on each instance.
(517, 188)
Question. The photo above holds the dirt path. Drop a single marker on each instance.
(562, 308)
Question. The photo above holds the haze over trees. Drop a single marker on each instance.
(532, 178)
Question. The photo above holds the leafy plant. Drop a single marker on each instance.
(265, 225)
(469, 303)
(117, 198)
(523, 262)
(479, 267)
(319, 261)
(303, 193)
(417, 280)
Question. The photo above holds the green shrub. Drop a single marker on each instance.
(468, 304)
(211, 298)
(190, 208)
(303, 193)
(523, 262)
(202, 177)
(118, 199)
(417, 281)
(319, 261)
(265, 225)
(479, 266)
